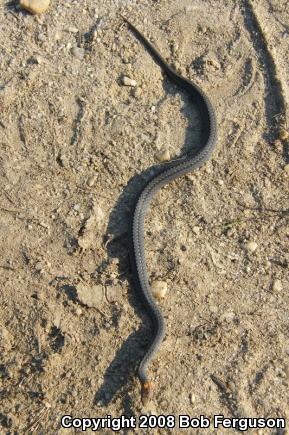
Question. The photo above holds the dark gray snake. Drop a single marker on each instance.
(165, 174)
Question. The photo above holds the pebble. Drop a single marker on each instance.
(251, 246)
(277, 285)
(283, 134)
(286, 169)
(41, 37)
(159, 289)
(91, 180)
(37, 59)
(64, 160)
(91, 296)
(78, 311)
(78, 52)
(196, 230)
(163, 155)
(73, 29)
(38, 266)
(126, 81)
(35, 6)
(192, 398)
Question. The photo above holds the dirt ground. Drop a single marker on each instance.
(76, 145)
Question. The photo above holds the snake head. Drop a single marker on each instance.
(146, 392)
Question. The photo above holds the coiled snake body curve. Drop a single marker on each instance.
(166, 173)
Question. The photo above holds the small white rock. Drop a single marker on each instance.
(41, 37)
(286, 169)
(192, 398)
(251, 246)
(73, 29)
(35, 6)
(277, 285)
(38, 59)
(127, 81)
(163, 155)
(78, 311)
(196, 230)
(159, 289)
(91, 180)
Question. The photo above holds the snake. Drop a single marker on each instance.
(166, 173)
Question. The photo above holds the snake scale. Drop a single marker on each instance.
(166, 173)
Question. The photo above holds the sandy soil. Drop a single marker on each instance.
(75, 148)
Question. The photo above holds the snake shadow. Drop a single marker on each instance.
(120, 377)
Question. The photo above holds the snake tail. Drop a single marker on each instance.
(146, 392)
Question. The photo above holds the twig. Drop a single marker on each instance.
(7, 267)
(14, 15)
(34, 425)
(219, 383)
(9, 210)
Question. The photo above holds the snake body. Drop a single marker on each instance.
(166, 173)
